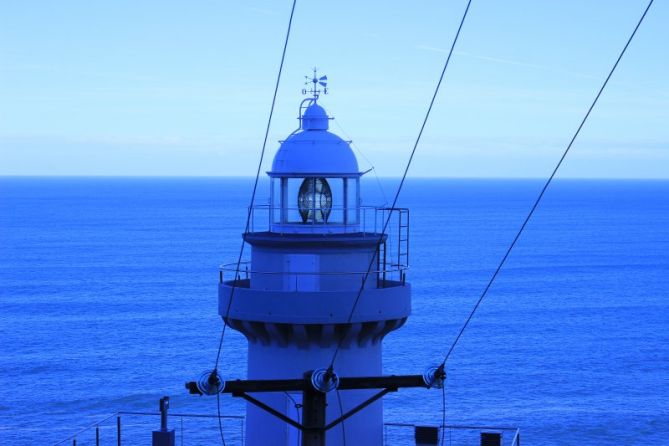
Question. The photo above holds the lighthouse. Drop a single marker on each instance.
(323, 275)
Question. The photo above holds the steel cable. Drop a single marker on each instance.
(543, 191)
(255, 183)
(373, 168)
(252, 201)
(399, 187)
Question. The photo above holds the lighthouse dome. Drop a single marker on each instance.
(314, 150)
(315, 118)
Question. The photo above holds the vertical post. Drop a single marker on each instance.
(346, 202)
(163, 437)
(74, 441)
(313, 202)
(313, 416)
(364, 220)
(378, 266)
(385, 265)
(357, 203)
(399, 238)
(284, 200)
(164, 405)
(118, 430)
(408, 234)
(271, 204)
(97, 435)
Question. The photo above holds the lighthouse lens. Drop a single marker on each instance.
(314, 200)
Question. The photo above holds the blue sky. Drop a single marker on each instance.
(184, 88)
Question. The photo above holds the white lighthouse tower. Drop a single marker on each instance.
(294, 301)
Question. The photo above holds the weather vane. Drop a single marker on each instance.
(315, 81)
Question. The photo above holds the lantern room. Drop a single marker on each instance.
(315, 180)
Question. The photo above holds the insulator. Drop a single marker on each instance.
(434, 377)
(210, 383)
(324, 380)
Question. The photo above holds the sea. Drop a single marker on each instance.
(108, 302)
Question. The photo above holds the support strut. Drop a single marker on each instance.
(314, 426)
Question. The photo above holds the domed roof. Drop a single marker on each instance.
(314, 150)
(315, 118)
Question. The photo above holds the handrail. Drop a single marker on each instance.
(370, 208)
(459, 427)
(72, 437)
(514, 442)
(187, 415)
(232, 267)
(120, 413)
(352, 217)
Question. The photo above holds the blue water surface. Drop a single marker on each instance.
(108, 302)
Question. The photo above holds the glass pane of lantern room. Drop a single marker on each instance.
(352, 200)
(290, 204)
(337, 188)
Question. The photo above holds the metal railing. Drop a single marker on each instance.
(370, 219)
(350, 219)
(393, 433)
(392, 254)
(116, 432)
(460, 435)
(230, 271)
(263, 216)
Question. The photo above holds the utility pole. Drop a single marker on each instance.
(315, 386)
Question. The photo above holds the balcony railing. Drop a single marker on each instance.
(392, 254)
(449, 435)
(391, 275)
(370, 219)
(340, 219)
(134, 428)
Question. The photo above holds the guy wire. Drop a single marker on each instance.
(355, 146)
(214, 372)
(543, 190)
(255, 184)
(399, 188)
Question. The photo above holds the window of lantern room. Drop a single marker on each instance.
(315, 200)
(289, 190)
(338, 200)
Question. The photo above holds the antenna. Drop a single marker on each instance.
(316, 82)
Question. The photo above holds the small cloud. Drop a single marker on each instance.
(431, 48)
(505, 61)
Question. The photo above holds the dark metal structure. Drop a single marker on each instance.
(314, 396)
